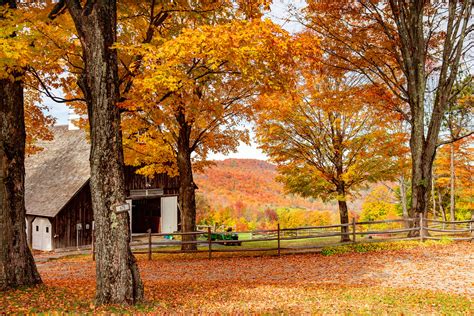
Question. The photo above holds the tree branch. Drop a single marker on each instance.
(454, 139)
(57, 10)
(48, 93)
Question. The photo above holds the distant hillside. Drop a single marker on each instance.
(251, 182)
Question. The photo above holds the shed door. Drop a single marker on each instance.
(41, 234)
(169, 214)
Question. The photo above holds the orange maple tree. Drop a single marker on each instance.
(329, 138)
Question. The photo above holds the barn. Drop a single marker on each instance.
(58, 196)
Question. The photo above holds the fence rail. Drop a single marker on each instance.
(305, 238)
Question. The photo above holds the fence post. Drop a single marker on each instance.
(93, 244)
(422, 230)
(209, 240)
(353, 230)
(149, 244)
(278, 238)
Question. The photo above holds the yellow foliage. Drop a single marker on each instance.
(379, 205)
(15, 40)
(200, 84)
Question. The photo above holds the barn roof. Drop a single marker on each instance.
(56, 173)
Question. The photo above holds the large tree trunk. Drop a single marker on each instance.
(118, 279)
(187, 195)
(17, 266)
(421, 189)
(410, 18)
(423, 151)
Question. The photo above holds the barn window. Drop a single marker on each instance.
(37, 228)
(47, 229)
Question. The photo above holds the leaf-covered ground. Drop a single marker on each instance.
(434, 279)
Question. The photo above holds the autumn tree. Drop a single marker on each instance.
(327, 138)
(118, 278)
(458, 121)
(17, 266)
(192, 98)
(453, 173)
(415, 48)
(140, 22)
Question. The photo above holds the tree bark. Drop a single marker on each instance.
(343, 213)
(187, 195)
(403, 196)
(118, 278)
(17, 266)
(441, 207)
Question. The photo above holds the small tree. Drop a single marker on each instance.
(327, 139)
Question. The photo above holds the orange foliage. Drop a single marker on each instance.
(463, 172)
(244, 193)
(294, 284)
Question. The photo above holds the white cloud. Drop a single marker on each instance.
(243, 152)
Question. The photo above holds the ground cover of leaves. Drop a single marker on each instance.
(423, 280)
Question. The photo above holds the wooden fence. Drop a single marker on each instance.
(305, 238)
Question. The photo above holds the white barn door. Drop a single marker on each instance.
(169, 214)
(41, 234)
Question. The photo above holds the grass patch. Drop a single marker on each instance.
(313, 244)
(381, 246)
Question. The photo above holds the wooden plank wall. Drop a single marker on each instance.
(135, 181)
(77, 210)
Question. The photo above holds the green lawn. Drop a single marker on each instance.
(326, 246)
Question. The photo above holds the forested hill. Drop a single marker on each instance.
(250, 181)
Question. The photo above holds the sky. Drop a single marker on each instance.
(278, 14)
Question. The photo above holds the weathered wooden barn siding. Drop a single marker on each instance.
(77, 210)
(135, 181)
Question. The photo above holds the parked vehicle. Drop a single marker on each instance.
(227, 235)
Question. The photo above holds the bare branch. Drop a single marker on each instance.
(454, 139)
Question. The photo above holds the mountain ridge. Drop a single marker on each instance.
(250, 182)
